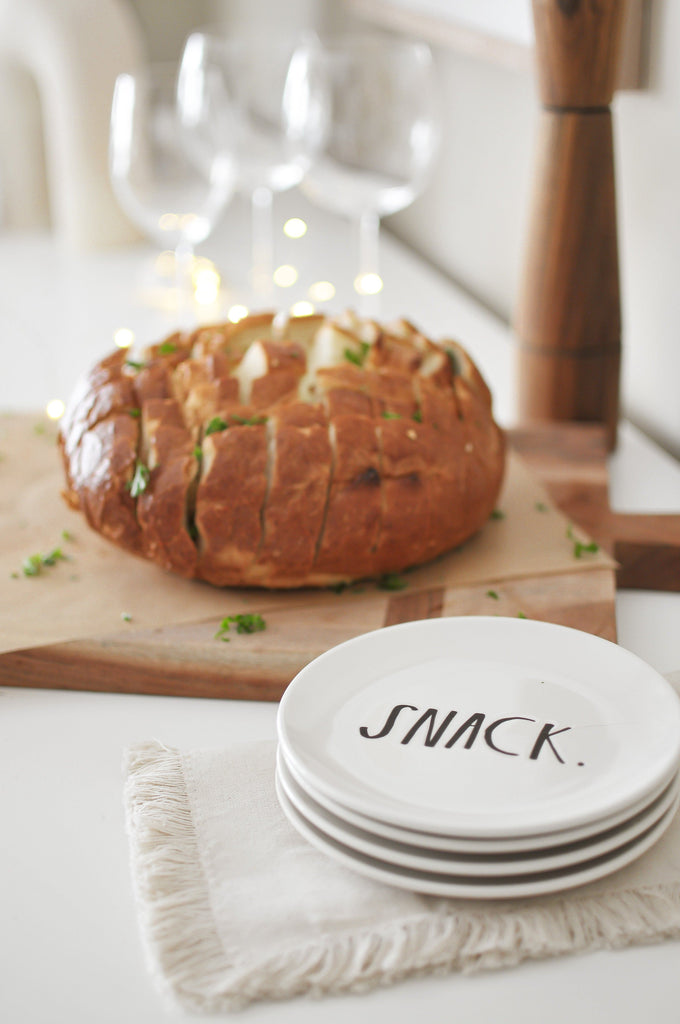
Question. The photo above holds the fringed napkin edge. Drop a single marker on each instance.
(191, 967)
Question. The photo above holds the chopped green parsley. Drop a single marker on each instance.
(248, 421)
(454, 361)
(391, 581)
(358, 358)
(216, 425)
(33, 565)
(249, 622)
(140, 480)
(582, 548)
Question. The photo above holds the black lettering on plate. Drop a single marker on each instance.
(387, 727)
(489, 731)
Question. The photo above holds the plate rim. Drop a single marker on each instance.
(478, 844)
(471, 889)
(646, 818)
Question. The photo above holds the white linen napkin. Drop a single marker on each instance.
(236, 907)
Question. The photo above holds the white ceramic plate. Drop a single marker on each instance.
(482, 865)
(463, 886)
(472, 844)
(481, 727)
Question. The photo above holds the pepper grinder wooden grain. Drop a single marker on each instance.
(568, 317)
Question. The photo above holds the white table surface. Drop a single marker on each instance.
(70, 951)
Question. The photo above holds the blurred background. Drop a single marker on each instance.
(58, 60)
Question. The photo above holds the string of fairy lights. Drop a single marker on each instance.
(206, 291)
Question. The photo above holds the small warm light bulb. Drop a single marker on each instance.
(295, 227)
(285, 276)
(206, 289)
(123, 337)
(206, 281)
(55, 409)
(368, 284)
(321, 291)
(237, 313)
(302, 308)
(168, 222)
(165, 263)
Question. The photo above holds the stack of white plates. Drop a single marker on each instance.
(479, 757)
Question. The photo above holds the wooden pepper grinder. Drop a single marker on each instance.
(568, 319)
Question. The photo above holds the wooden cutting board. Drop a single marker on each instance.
(187, 659)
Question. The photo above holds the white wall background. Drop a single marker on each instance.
(471, 221)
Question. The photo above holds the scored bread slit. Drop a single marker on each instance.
(381, 473)
(167, 453)
(269, 475)
(192, 491)
(141, 452)
(331, 476)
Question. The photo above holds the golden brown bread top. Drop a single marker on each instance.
(283, 454)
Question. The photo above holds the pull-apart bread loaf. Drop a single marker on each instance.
(285, 454)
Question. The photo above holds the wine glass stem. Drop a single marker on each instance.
(184, 262)
(262, 243)
(368, 284)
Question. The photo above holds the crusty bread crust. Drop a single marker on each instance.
(306, 452)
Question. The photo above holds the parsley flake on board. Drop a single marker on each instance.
(33, 565)
(391, 581)
(249, 622)
(581, 548)
(493, 594)
(497, 513)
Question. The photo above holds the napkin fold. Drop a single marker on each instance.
(236, 907)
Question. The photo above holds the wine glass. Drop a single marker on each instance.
(376, 133)
(167, 176)
(269, 154)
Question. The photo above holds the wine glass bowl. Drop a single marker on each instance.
(380, 131)
(163, 177)
(270, 156)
